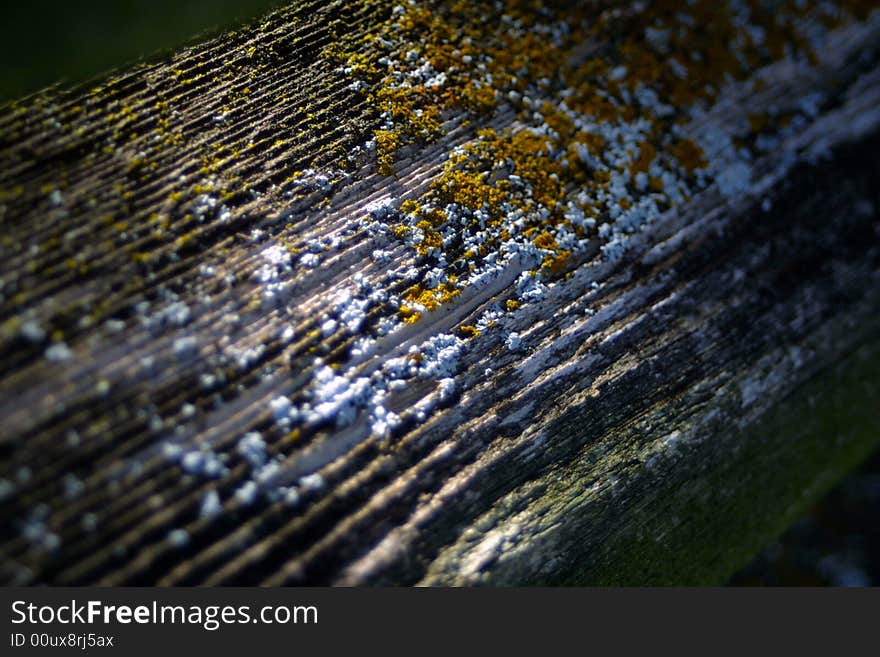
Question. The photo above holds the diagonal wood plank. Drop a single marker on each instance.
(241, 346)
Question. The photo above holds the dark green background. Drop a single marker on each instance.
(46, 41)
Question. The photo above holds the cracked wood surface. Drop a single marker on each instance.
(669, 413)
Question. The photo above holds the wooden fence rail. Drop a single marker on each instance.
(365, 294)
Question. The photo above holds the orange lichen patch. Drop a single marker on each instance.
(410, 207)
(593, 142)
(545, 241)
(559, 122)
(401, 231)
(434, 217)
(468, 331)
(468, 189)
(557, 262)
(478, 99)
(387, 143)
(522, 153)
(431, 239)
(409, 315)
(647, 152)
(688, 154)
(602, 99)
(591, 101)
(429, 299)
(601, 176)
(455, 41)
(410, 109)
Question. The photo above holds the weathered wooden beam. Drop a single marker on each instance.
(365, 294)
(47, 42)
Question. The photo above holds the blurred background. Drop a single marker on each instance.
(45, 41)
(837, 543)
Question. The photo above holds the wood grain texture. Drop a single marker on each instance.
(667, 414)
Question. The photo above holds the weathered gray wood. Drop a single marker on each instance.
(667, 414)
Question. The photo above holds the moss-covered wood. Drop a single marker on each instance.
(235, 350)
